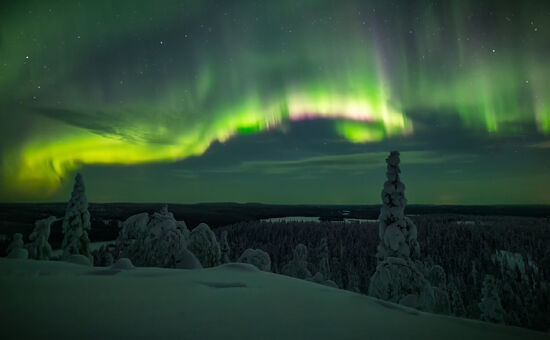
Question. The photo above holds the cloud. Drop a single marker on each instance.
(541, 145)
(357, 162)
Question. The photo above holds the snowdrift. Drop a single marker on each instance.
(46, 300)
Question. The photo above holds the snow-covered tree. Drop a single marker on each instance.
(203, 243)
(155, 242)
(398, 234)
(490, 305)
(76, 223)
(181, 225)
(397, 277)
(224, 248)
(323, 255)
(457, 303)
(256, 257)
(103, 257)
(40, 248)
(297, 267)
(16, 249)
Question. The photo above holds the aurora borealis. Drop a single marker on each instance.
(275, 101)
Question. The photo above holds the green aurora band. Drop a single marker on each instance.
(125, 83)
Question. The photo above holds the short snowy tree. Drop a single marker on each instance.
(103, 257)
(397, 277)
(203, 243)
(457, 303)
(76, 223)
(323, 258)
(40, 248)
(224, 248)
(256, 257)
(16, 248)
(297, 267)
(155, 242)
(320, 279)
(490, 305)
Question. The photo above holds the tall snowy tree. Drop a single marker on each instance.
(40, 248)
(76, 223)
(396, 231)
(397, 278)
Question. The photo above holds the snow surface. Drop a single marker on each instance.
(49, 299)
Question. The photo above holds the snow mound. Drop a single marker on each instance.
(123, 263)
(78, 259)
(18, 253)
(242, 267)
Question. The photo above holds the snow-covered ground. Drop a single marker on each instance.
(46, 300)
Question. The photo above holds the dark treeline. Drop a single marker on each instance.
(20, 217)
(514, 250)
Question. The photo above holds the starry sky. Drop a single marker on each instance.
(288, 101)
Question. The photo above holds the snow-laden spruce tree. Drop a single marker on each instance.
(224, 248)
(396, 231)
(76, 223)
(397, 277)
(40, 248)
(16, 249)
(256, 257)
(297, 267)
(490, 305)
(203, 243)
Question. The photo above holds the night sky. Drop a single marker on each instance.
(281, 101)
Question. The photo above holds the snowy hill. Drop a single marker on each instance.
(42, 299)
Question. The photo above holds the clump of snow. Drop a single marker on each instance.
(256, 257)
(123, 263)
(76, 222)
(40, 248)
(320, 279)
(78, 259)
(203, 243)
(187, 260)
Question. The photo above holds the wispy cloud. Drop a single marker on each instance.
(352, 163)
(541, 145)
